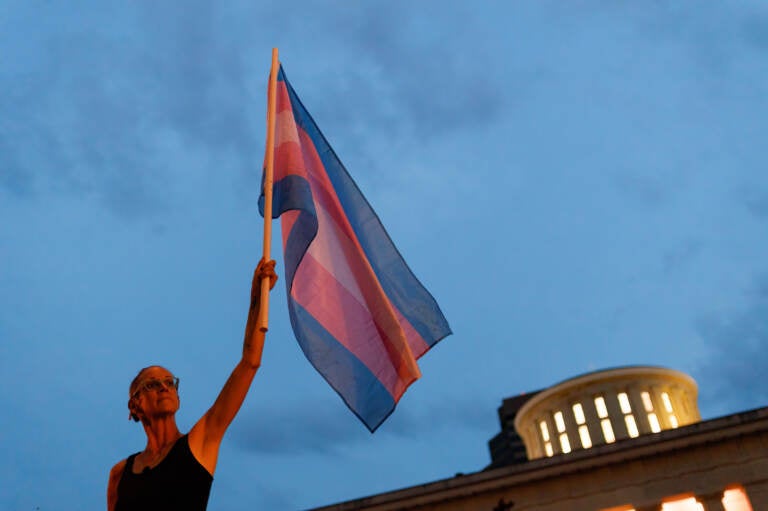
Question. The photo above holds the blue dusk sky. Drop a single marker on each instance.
(580, 184)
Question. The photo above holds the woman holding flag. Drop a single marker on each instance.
(175, 470)
(358, 312)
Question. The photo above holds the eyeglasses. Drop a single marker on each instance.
(155, 384)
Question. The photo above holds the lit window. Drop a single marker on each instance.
(565, 445)
(688, 504)
(668, 407)
(654, 422)
(736, 500)
(586, 441)
(578, 413)
(647, 403)
(629, 419)
(602, 411)
(545, 436)
(544, 431)
(607, 431)
(631, 426)
(559, 423)
(624, 403)
(667, 402)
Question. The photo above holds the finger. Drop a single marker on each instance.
(266, 269)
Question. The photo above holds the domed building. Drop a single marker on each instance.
(622, 439)
(600, 408)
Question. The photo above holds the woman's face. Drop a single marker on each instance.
(154, 394)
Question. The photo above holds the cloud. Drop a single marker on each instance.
(399, 79)
(738, 353)
(682, 255)
(328, 428)
(112, 111)
(437, 88)
(648, 190)
(107, 104)
(297, 429)
(754, 29)
(111, 106)
(756, 203)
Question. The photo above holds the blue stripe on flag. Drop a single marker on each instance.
(353, 381)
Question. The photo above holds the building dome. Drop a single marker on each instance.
(605, 406)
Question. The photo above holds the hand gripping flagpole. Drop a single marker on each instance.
(263, 319)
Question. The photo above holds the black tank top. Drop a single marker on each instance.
(179, 482)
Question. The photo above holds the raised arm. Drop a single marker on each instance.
(205, 436)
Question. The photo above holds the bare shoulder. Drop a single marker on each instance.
(117, 470)
(114, 480)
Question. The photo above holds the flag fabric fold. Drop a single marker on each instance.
(358, 312)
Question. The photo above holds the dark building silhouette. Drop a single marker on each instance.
(507, 448)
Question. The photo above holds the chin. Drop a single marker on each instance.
(168, 405)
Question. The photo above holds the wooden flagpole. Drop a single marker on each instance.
(263, 318)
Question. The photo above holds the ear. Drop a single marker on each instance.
(133, 410)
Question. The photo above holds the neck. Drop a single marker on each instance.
(161, 433)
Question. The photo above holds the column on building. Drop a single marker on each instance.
(638, 410)
(593, 421)
(554, 444)
(615, 414)
(712, 501)
(757, 493)
(571, 426)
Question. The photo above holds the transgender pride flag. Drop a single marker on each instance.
(360, 315)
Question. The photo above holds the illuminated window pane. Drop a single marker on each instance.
(544, 431)
(586, 441)
(689, 504)
(624, 403)
(667, 402)
(631, 426)
(548, 449)
(607, 431)
(602, 411)
(559, 423)
(647, 403)
(736, 500)
(578, 413)
(565, 445)
(654, 422)
(673, 421)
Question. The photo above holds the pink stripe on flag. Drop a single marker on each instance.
(321, 295)
(287, 220)
(337, 253)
